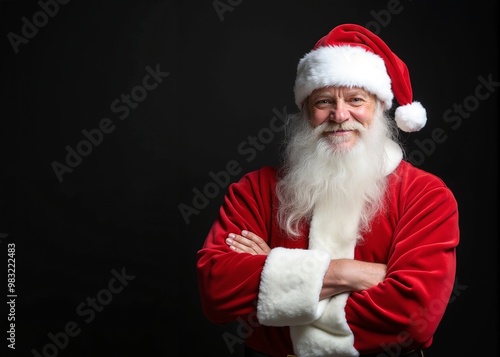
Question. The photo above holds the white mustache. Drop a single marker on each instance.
(333, 127)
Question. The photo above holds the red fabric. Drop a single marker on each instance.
(416, 238)
(356, 35)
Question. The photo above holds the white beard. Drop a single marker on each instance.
(317, 171)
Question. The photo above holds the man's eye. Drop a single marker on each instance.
(323, 102)
(356, 100)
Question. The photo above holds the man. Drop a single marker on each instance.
(347, 249)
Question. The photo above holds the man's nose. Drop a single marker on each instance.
(339, 112)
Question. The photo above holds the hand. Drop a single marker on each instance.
(351, 275)
(247, 242)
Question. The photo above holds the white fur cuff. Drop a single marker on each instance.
(290, 285)
(310, 340)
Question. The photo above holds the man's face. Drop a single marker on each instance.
(343, 112)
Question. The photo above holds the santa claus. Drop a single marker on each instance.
(346, 249)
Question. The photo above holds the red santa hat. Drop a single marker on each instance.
(350, 55)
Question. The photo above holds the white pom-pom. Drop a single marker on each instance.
(411, 117)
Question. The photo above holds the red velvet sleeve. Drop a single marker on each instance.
(404, 311)
(229, 281)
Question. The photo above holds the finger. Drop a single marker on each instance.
(252, 241)
(240, 244)
(261, 243)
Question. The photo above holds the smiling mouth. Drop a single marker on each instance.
(338, 131)
(333, 128)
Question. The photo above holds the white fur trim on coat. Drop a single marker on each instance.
(291, 282)
(329, 336)
(393, 156)
(292, 279)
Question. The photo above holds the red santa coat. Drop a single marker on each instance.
(416, 237)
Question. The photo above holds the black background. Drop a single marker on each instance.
(229, 73)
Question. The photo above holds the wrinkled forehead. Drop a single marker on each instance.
(342, 91)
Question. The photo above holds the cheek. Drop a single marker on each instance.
(318, 117)
(365, 117)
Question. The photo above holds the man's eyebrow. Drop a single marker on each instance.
(320, 93)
